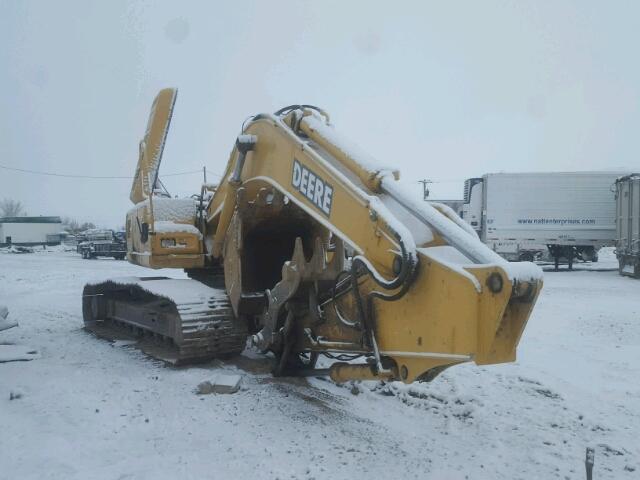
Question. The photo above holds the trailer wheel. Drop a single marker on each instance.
(526, 257)
(587, 254)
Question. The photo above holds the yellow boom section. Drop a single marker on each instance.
(152, 145)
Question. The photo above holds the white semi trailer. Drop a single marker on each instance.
(628, 224)
(522, 216)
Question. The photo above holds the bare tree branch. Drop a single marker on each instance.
(11, 208)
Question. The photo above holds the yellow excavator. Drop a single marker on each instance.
(308, 247)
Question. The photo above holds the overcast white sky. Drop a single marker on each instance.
(444, 90)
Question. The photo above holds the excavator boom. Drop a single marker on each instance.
(320, 251)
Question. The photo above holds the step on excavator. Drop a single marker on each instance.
(308, 247)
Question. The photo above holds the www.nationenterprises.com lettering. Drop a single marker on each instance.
(558, 221)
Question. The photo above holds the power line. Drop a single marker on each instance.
(450, 180)
(51, 174)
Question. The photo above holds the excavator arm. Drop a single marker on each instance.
(317, 251)
(418, 291)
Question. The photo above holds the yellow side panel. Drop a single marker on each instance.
(448, 318)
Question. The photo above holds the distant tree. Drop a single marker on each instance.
(71, 225)
(11, 208)
(74, 227)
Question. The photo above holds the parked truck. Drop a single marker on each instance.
(103, 243)
(524, 216)
(628, 224)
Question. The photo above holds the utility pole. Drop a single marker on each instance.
(425, 189)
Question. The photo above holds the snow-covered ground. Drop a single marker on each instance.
(91, 409)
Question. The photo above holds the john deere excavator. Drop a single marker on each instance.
(309, 247)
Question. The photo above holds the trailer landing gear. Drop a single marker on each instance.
(562, 251)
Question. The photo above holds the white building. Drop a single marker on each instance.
(30, 230)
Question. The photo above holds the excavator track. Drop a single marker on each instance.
(174, 320)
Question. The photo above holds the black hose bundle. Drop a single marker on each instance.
(360, 266)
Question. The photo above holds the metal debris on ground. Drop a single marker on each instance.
(220, 384)
(17, 353)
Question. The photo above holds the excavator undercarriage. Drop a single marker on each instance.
(309, 248)
(196, 328)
